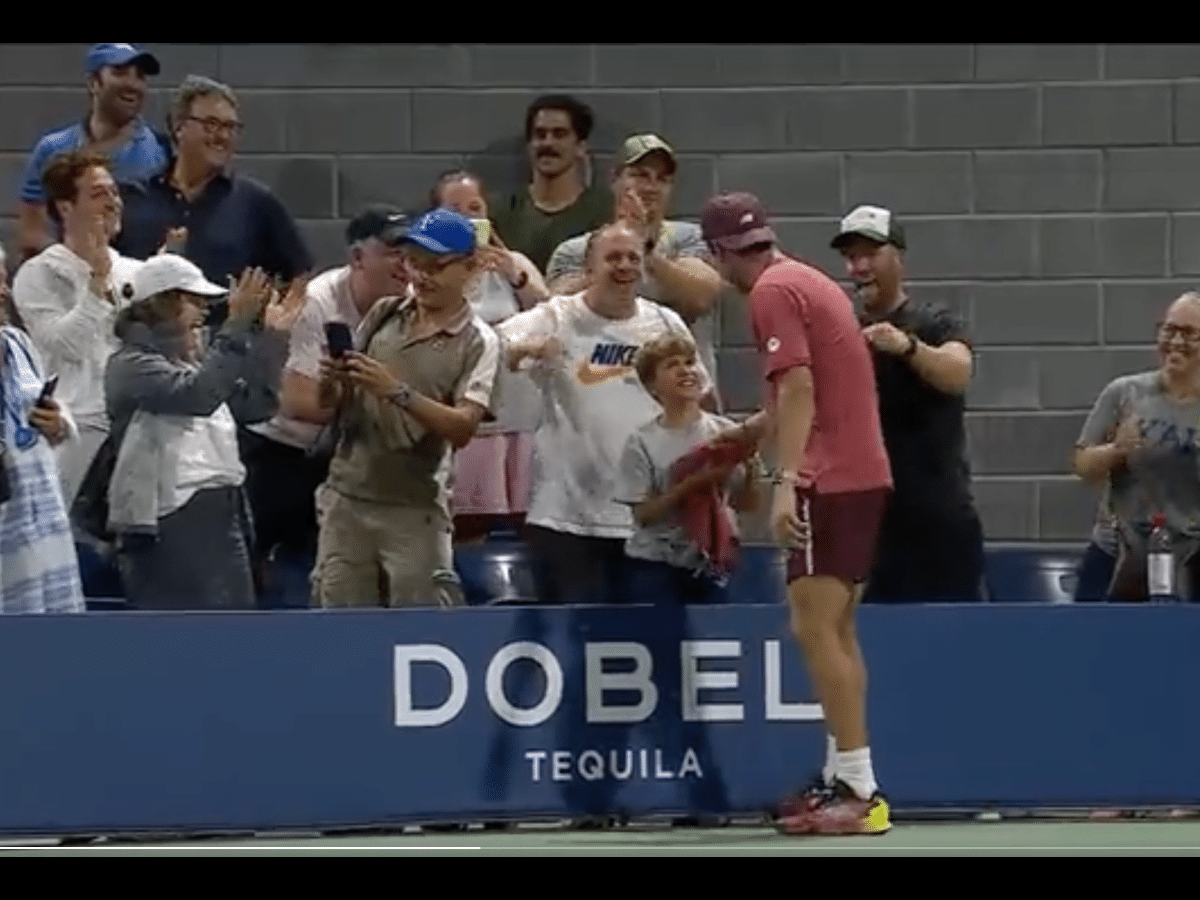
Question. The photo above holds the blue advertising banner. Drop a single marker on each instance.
(308, 719)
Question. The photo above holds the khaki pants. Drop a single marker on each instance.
(358, 540)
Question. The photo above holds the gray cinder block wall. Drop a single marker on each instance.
(1052, 193)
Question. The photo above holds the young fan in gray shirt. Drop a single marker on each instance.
(666, 565)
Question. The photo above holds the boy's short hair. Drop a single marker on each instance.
(653, 353)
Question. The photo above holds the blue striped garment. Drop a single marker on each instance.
(39, 570)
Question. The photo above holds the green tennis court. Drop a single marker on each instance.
(1126, 838)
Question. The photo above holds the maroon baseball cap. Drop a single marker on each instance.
(735, 222)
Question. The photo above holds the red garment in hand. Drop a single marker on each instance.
(703, 513)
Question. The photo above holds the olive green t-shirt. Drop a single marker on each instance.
(526, 229)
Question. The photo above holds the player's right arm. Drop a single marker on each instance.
(780, 323)
(795, 406)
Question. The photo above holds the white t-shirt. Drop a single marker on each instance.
(208, 456)
(71, 327)
(677, 240)
(328, 300)
(592, 401)
(518, 401)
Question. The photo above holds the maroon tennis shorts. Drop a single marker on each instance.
(843, 530)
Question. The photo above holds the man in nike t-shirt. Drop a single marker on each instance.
(579, 349)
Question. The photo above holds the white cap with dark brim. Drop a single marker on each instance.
(169, 272)
(871, 222)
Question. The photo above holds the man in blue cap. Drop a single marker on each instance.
(116, 83)
(415, 390)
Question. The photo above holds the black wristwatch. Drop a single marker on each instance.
(651, 243)
(912, 347)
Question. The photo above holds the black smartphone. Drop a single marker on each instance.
(47, 390)
(339, 338)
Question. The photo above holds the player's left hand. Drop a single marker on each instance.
(790, 533)
(886, 337)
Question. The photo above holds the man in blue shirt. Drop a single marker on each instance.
(202, 207)
(116, 82)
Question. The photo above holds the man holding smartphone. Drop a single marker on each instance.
(417, 390)
(284, 465)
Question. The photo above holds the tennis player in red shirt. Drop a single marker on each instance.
(834, 481)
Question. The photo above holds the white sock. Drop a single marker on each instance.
(831, 755)
(854, 768)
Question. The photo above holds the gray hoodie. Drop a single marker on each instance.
(147, 391)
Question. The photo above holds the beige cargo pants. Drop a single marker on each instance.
(412, 548)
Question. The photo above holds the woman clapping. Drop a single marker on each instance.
(176, 497)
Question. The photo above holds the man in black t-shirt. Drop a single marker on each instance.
(931, 543)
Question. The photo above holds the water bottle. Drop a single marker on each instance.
(1160, 563)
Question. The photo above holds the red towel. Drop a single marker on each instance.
(703, 513)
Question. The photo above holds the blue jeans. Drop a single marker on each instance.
(659, 582)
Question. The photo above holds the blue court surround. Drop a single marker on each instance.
(306, 718)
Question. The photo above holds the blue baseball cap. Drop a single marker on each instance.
(442, 232)
(102, 55)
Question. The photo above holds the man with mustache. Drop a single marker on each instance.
(558, 203)
(113, 127)
(931, 539)
(219, 219)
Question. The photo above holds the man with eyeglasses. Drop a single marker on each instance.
(284, 464)
(199, 207)
(419, 388)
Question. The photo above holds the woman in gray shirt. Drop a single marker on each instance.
(176, 495)
(1140, 445)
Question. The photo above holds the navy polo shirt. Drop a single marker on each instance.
(234, 222)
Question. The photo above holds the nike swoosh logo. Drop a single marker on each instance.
(589, 373)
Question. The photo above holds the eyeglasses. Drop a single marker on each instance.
(1170, 332)
(217, 126)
